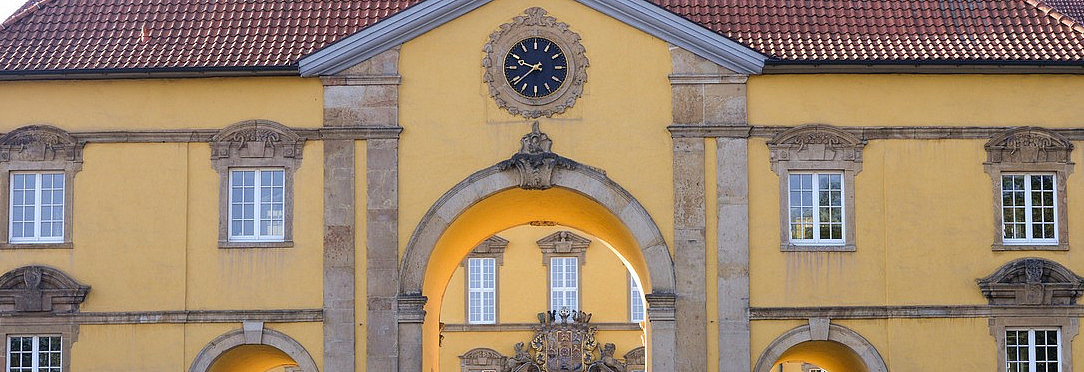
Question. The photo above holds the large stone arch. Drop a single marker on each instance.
(821, 331)
(253, 336)
(535, 167)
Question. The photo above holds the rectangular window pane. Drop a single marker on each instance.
(636, 300)
(481, 288)
(36, 207)
(1029, 208)
(257, 205)
(564, 283)
(816, 207)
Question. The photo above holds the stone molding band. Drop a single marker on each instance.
(204, 135)
(741, 130)
(913, 312)
(170, 317)
(509, 327)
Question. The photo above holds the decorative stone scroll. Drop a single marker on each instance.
(563, 243)
(536, 161)
(564, 341)
(40, 289)
(493, 247)
(1030, 150)
(1032, 281)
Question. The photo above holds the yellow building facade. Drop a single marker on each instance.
(676, 171)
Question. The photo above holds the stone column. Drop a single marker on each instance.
(660, 314)
(364, 95)
(411, 318)
(733, 270)
(689, 254)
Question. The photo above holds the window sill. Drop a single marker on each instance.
(243, 244)
(791, 247)
(54, 245)
(1030, 247)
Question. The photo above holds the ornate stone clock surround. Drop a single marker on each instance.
(534, 23)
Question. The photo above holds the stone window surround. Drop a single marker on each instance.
(790, 153)
(493, 247)
(1030, 150)
(1069, 328)
(69, 333)
(39, 148)
(254, 144)
(577, 247)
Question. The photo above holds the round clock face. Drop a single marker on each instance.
(535, 67)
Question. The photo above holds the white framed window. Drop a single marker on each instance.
(37, 207)
(564, 283)
(816, 208)
(482, 290)
(257, 205)
(34, 354)
(1029, 208)
(636, 301)
(1032, 350)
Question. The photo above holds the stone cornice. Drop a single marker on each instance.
(738, 130)
(912, 312)
(162, 317)
(508, 327)
(205, 135)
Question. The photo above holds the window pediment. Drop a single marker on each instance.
(1032, 281)
(40, 288)
(1028, 145)
(39, 143)
(563, 243)
(816, 142)
(257, 139)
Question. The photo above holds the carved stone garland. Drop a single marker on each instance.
(534, 23)
(256, 139)
(1028, 145)
(1032, 281)
(535, 161)
(40, 289)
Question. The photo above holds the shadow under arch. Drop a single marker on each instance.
(267, 341)
(842, 350)
(576, 195)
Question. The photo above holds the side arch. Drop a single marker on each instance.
(585, 180)
(238, 337)
(836, 333)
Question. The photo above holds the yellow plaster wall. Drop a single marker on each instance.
(924, 219)
(361, 307)
(128, 347)
(84, 105)
(917, 99)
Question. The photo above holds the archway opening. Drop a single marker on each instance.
(253, 358)
(829, 356)
(516, 207)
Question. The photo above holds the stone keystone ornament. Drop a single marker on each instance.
(535, 161)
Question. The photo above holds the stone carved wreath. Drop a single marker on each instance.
(534, 24)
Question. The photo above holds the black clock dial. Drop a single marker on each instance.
(535, 67)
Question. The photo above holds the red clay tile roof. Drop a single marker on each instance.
(224, 34)
(891, 30)
(1072, 8)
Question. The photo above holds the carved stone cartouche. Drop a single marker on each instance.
(40, 289)
(1032, 281)
(535, 161)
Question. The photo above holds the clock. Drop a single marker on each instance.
(535, 66)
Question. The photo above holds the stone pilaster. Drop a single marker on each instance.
(689, 253)
(364, 95)
(661, 313)
(339, 229)
(733, 261)
(411, 318)
(382, 254)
